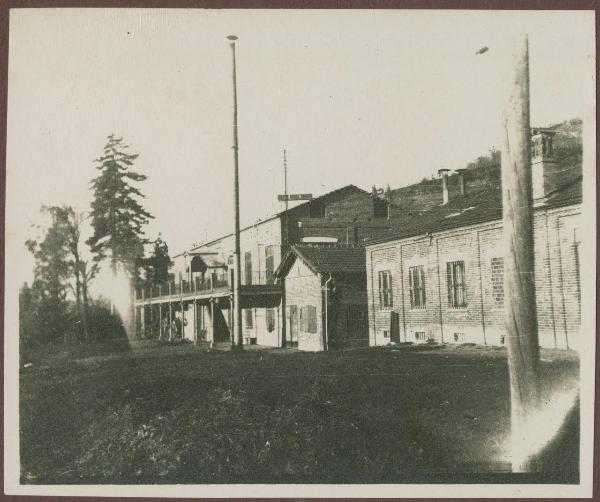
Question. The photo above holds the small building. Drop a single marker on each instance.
(325, 296)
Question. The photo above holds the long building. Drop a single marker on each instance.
(439, 277)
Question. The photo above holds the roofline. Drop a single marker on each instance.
(483, 219)
(270, 218)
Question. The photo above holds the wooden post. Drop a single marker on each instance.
(519, 278)
(237, 312)
(160, 319)
(195, 322)
(170, 315)
(181, 305)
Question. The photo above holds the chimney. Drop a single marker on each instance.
(461, 180)
(542, 161)
(444, 174)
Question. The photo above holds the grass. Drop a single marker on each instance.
(177, 414)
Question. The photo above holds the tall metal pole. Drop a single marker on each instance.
(519, 278)
(237, 313)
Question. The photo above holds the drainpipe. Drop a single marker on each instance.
(326, 310)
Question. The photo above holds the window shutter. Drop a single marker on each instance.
(411, 286)
(450, 283)
(423, 299)
(390, 294)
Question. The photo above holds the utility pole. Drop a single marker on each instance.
(237, 313)
(519, 278)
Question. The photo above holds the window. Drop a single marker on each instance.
(386, 334)
(270, 319)
(308, 319)
(317, 209)
(248, 267)
(420, 336)
(455, 275)
(269, 264)
(416, 279)
(459, 337)
(356, 318)
(386, 299)
(498, 281)
(249, 320)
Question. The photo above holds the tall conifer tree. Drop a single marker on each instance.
(117, 215)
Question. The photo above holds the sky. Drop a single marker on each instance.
(362, 97)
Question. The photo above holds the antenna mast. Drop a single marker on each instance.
(285, 179)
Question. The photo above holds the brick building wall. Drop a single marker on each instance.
(480, 248)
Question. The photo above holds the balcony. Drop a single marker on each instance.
(260, 290)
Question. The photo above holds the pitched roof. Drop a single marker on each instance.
(477, 207)
(323, 258)
(345, 189)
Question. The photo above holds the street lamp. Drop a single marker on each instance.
(237, 313)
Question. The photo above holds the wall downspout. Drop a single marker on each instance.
(402, 292)
(549, 263)
(481, 287)
(437, 252)
(326, 312)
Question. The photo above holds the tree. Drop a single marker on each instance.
(82, 270)
(53, 270)
(117, 215)
(157, 265)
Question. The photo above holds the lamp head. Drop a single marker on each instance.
(232, 37)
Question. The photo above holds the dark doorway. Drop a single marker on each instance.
(293, 341)
(395, 327)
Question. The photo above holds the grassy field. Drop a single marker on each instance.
(178, 414)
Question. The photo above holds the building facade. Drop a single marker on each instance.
(439, 277)
(447, 286)
(201, 294)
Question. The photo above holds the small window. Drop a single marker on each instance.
(459, 337)
(386, 299)
(270, 319)
(455, 275)
(420, 336)
(386, 334)
(416, 279)
(317, 209)
(249, 319)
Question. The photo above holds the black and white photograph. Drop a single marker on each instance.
(300, 253)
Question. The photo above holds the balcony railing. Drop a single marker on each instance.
(199, 285)
(174, 288)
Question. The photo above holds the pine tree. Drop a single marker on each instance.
(157, 265)
(117, 215)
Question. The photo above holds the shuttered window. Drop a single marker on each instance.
(308, 319)
(270, 319)
(249, 318)
(269, 264)
(455, 276)
(386, 299)
(248, 267)
(416, 279)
